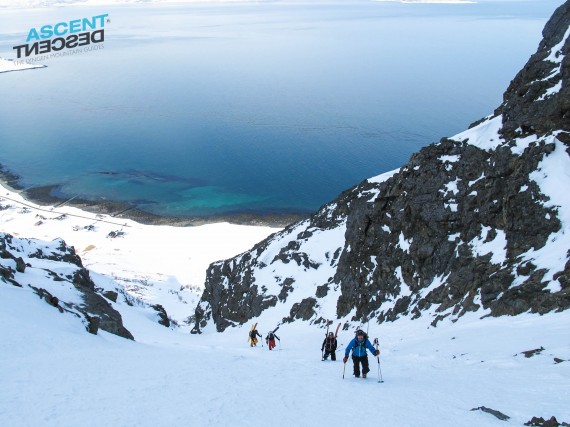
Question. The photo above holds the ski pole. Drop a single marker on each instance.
(343, 370)
(376, 343)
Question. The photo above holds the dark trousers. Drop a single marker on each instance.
(332, 354)
(357, 361)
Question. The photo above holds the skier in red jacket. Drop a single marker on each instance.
(270, 340)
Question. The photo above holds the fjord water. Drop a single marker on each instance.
(264, 107)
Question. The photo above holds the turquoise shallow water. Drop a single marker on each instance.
(208, 110)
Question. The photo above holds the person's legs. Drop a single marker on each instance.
(356, 366)
(365, 368)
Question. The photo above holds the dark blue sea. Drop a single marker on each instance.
(262, 107)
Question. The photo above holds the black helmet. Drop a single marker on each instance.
(330, 334)
(360, 333)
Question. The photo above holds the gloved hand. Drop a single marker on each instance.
(376, 353)
(345, 359)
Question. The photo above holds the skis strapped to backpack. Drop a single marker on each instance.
(271, 335)
(251, 339)
(328, 344)
(329, 323)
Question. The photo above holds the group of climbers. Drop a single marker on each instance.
(358, 346)
(269, 339)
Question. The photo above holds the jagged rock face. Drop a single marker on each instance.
(473, 223)
(538, 99)
(419, 244)
(56, 266)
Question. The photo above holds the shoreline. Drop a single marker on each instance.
(43, 196)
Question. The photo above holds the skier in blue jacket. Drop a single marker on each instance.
(359, 356)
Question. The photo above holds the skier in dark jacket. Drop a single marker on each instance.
(270, 340)
(329, 346)
(359, 356)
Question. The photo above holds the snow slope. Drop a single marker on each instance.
(56, 375)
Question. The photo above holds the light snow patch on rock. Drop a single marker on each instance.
(404, 288)
(451, 187)
(478, 179)
(522, 144)
(555, 57)
(404, 243)
(451, 206)
(553, 178)
(496, 247)
(485, 135)
(451, 159)
(551, 91)
(378, 179)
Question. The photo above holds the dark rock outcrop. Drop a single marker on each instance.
(527, 108)
(162, 315)
(94, 309)
(494, 412)
(111, 295)
(457, 229)
(541, 422)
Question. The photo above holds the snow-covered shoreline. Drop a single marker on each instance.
(167, 258)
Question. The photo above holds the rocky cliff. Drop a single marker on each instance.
(55, 273)
(476, 222)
